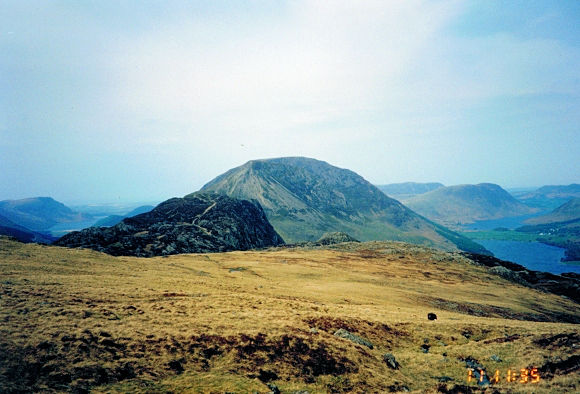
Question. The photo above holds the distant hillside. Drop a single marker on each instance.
(304, 198)
(564, 213)
(115, 219)
(401, 191)
(199, 223)
(7, 227)
(550, 197)
(39, 213)
(462, 204)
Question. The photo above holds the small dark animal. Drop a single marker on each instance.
(431, 316)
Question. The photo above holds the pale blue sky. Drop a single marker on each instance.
(102, 101)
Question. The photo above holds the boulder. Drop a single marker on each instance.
(352, 337)
(391, 361)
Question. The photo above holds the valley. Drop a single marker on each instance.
(559, 228)
(535, 227)
(161, 313)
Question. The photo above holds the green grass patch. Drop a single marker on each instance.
(501, 235)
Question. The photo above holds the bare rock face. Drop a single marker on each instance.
(198, 223)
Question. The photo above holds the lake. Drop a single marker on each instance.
(532, 255)
(60, 229)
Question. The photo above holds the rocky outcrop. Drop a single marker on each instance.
(342, 333)
(335, 238)
(198, 223)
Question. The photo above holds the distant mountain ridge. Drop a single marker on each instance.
(198, 223)
(111, 220)
(462, 204)
(550, 197)
(303, 198)
(564, 213)
(553, 191)
(403, 190)
(39, 213)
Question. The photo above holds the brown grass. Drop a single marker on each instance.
(77, 320)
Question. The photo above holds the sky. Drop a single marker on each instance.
(105, 101)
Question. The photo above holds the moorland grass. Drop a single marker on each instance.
(78, 320)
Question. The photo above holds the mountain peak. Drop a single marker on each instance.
(460, 204)
(303, 198)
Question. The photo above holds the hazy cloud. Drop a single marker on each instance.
(180, 91)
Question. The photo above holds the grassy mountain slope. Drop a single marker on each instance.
(39, 213)
(461, 204)
(304, 198)
(235, 322)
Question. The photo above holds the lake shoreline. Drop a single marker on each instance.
(531, 254)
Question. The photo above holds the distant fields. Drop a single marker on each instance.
(75, 320)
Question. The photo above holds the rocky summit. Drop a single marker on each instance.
(198, 223)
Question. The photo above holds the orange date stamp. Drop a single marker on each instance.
(523, 376)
